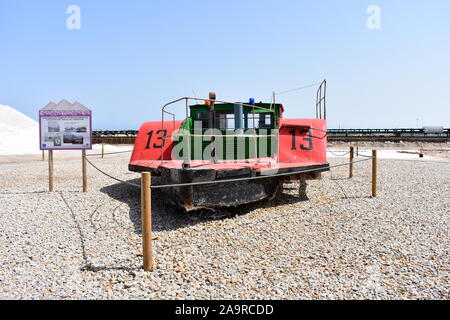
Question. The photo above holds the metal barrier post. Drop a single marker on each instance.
(146, 216)
(374, 173)
(103, 150)
(350, 167)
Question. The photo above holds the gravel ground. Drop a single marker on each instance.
(334, 242)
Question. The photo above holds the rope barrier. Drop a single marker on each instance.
(112, 177)
(362, 155)
(227, 180)
(337, 155)
(99, 154)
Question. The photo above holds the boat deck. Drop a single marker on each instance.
(262, 166)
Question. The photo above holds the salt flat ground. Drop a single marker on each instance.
(333, 242)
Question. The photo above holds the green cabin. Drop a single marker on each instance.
(245, 131)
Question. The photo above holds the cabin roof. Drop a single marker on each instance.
(225, 106)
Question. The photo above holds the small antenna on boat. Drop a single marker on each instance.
(195, 95)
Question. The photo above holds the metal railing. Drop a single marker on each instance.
(405, 132)
(321, 101)
(188, 135)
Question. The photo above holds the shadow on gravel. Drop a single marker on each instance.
(166, 217)
(19, 193)
(90, 267)
(35, 192)
(357, 197)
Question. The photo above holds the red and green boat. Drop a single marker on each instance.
(230, 145)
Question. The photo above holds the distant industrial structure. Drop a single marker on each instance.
(425, 134)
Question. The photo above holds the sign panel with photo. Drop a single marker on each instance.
(65, 129)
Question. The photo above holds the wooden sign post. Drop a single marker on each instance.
(50, 170)
(83, 157)
(146, 217)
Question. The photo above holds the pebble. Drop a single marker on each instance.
(338, 243)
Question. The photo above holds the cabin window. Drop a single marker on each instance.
(202, 116)
(224, 120)
(265, 121)
(230, 121)
(258, 121)
(221, 121)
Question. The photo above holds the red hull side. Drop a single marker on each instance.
(303, 140)
(149, 142)
(302, 143)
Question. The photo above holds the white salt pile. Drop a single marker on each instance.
(19, 134)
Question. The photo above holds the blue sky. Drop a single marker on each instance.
(130, 57)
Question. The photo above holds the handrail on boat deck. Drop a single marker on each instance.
(320, 97)
(320, 107)
(321, 100)
(204, 100)
(216, 101)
